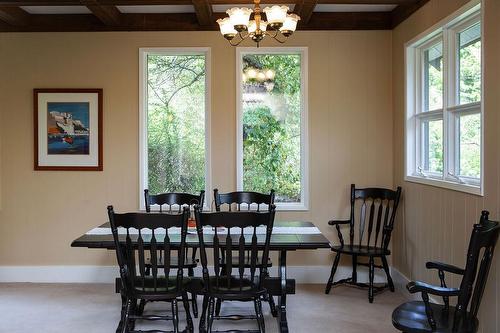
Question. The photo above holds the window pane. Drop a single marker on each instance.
(271, 105)
(470, 145)
(432, 134)
(433, 77)
(469, 55)
(176, 123)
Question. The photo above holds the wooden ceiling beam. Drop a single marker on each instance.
(189, 22)
(203, 10)
(402, 12)
(305, 9)
(109, 15)
(14, 16)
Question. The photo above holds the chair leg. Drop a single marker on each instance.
(218, 305)
(272, 305)
(354, 269)
(203, 318)
(388, 273)
(175, 315)
(371, 273)
(126, 314)
(185, 302)
(193, 296)
(259, 314)
(211, 312)
(332, 273)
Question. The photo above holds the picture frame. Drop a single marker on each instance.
(68, 127)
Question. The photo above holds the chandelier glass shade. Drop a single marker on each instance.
(279, 25)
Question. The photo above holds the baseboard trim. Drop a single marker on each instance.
(400, 281)
(107, 274)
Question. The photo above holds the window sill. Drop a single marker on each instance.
(450, 185)
(283, 207)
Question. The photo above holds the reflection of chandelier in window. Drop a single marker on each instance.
(259, 77)
(279, 23)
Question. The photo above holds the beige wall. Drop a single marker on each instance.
(350, 126)
(435, 223)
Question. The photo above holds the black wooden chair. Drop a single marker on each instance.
(175, 202)
(160, 285)
(238, 201)
(372, 236)
(239, 234)
(423, 316)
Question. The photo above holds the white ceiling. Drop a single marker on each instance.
(157, 9)
(56, 9)
(353, 8)
(190, 8)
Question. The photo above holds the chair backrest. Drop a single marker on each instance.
(481, 247)
(242, 198)
(150, 234)
(173, 199)
(381, 204)
(241, 229)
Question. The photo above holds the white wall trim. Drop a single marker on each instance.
(400, 281)
(107, 274)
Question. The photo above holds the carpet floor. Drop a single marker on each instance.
(95, 308)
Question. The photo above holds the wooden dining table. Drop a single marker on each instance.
(287, 236)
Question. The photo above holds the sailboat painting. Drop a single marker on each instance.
(68, 128)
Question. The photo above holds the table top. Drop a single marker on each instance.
(289, 235)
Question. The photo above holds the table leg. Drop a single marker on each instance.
(124, 303)
(282, 322)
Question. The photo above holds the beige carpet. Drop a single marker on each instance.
(75, 308)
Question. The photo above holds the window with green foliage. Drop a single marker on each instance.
(444, 76)
(271, 128)
(174, 92)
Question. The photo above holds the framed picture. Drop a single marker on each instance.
(68, 129)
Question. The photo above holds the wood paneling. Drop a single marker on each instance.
(436, 223)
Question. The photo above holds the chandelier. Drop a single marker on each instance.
(280, 25)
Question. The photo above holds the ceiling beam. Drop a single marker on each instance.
(402, 12)
(305, 9)
(203, 10)
(14, 16)
(109, 15)
(187, 2)
(189, 22)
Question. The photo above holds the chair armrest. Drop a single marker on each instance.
(336, 222)
(417, 286)
(444, 267)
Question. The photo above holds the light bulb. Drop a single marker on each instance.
(290, 24)
(276, 15)
(252, 26)
(251, 73)
(239, 17)
(226, 28)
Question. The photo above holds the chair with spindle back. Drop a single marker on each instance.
(174, 202)
(423, 316)
(373, 236)
(242, 200)
(234, 231)
(150, 234)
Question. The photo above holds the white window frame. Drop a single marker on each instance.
(143, 116)
(303, 205)
(445, 31)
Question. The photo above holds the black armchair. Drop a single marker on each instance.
(424, 316)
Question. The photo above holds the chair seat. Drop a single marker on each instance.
(235, 262)
(361, 250)
(410, 317)
(163, 289)
(234, 287)
(174, 262)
